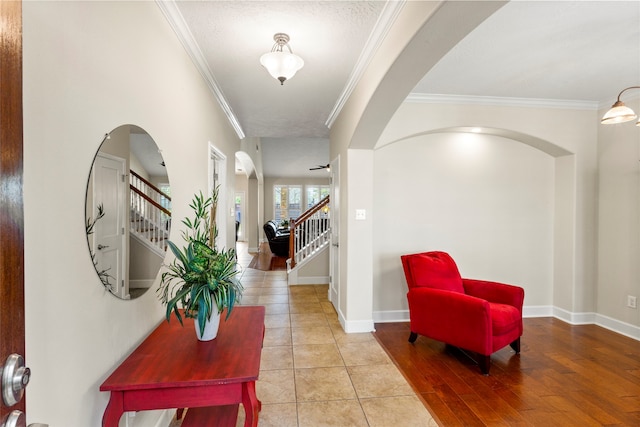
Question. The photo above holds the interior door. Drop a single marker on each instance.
(334, 257)
(218, 179)
(109, 245)
(11, 199)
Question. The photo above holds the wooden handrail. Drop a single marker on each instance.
(156, 189)
(309, 212)
(294, 223)
(149, 199)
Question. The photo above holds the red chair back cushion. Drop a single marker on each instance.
(433, 270)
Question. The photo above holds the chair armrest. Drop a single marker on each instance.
(280, 238)
(495, 292)
(452, 317)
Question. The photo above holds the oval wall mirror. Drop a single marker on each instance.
(128, 211)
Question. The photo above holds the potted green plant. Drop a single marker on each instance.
(201, 280)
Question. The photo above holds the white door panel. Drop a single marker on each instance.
(334, 258)
(109, 246)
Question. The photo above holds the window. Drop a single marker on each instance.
(217, 180)
(287, 201)
(316, 193)
(165, 188)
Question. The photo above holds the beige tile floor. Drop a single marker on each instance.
(314, 374)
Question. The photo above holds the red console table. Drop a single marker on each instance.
(172, 369)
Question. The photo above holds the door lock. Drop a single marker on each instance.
(15, 377)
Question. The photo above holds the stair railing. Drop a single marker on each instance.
(309, 232)
(150, 220)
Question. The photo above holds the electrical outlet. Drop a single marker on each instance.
(631, 301)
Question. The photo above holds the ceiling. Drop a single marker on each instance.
(560, 50)
(578, 51)
(145, 150)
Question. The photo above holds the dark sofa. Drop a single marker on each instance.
(278, 238)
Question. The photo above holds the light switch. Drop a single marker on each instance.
(361, 214)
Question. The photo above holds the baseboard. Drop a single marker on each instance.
(588, 318)
(166, 418)
(141, 283)
(355, 326)
(311, 280)
(537, 311)
(341, 318)
(293, 278)
(391, 316)
(618, 326)
(155, 418)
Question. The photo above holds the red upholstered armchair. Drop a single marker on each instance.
(474, 315)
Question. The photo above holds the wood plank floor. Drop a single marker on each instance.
(564, 376)
(265, 260)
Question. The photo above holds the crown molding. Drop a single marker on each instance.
(424, 98)
(380, 30)
(179, 26)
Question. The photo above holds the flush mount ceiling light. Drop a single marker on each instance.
(280, 64)
(620, 113)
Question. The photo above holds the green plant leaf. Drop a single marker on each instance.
(177, 252)
(200, 276)
(172, 304)
(232, 299)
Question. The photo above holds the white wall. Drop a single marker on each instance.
(556, 213)
(317, 268)
(486, 200)
(356, 299)
(250, 155)
(400, 61)
(88, 68)
(619, 219)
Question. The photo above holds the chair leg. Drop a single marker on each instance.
(413, 337)
(516, 345)
(484, 362)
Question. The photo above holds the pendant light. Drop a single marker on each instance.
(620, 113)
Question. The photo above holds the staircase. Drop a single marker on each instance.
(150, 214)
(310, 234)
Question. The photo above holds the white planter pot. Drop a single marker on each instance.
(210, 327)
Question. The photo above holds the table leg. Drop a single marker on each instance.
(251, 404)
(114, 410)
